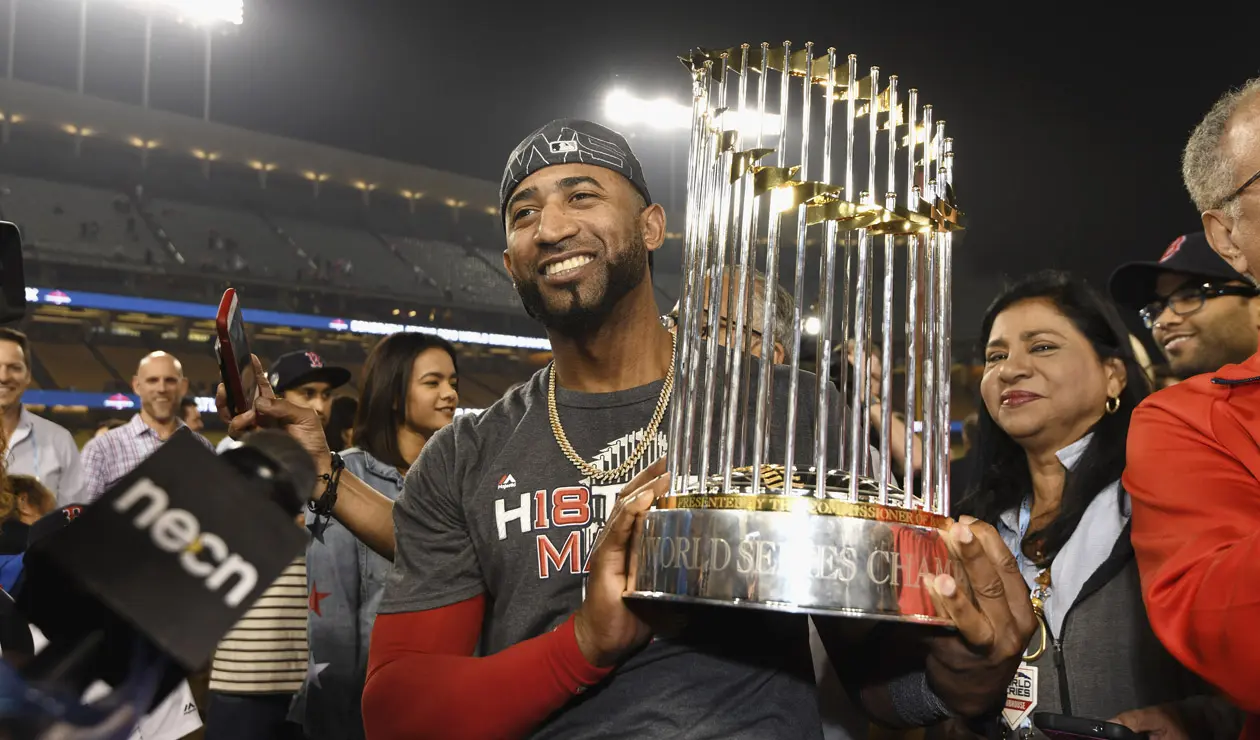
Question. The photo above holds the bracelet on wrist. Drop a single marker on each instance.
(323, 508)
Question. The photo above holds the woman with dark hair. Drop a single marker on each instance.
(339, 431)
(1060, 382)
(410, 391)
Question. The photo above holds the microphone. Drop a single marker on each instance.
(272, 455)
(140, 586)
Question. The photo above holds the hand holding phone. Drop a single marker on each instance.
(303, 424)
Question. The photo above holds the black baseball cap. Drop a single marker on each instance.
(571, 141)
(301, 367)
(1132, 285)
(54, 521)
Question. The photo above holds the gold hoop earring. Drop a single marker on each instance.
(1113, 404)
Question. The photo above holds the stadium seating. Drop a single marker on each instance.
(227, 240)
(80, 220)
(98, 224)
(465, 276)
(373, 268)
(73, 366)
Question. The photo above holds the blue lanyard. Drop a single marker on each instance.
(1025, 520)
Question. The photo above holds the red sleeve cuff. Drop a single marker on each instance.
(568, 664)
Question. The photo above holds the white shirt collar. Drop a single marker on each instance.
(24, 428)
(1070, 455)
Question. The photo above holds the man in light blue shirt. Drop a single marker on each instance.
(35, 446)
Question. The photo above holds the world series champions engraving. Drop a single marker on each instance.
(808, 171)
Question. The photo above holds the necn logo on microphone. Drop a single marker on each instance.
(180, 548)
(203, 554)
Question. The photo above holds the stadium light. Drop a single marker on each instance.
(625, 109)
(204, 13)
(316, 178)
(200, 12)
(366, 189)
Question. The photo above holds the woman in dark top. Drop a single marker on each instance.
(1060, 382)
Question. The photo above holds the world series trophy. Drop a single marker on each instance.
(799, 516)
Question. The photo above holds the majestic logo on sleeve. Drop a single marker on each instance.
(564, 521)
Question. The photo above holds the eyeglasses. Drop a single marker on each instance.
(1186, 301)
(670, 321)
(1241, 188)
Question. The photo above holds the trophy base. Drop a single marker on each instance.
(793, 553)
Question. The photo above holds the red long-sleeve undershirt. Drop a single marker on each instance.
(423, 682)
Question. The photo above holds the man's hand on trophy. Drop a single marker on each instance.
(607, 631)
(971, 668)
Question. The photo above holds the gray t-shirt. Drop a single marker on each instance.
(494, 507)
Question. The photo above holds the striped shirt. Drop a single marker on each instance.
(265, 652)
(115, 453)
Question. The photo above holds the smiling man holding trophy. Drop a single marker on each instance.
(535, 589)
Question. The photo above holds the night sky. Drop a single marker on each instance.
(1068, 122)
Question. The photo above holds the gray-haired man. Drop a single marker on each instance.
(1221, 169)
(781, 331)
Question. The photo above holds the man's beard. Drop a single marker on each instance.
(624, 273)
(1214, 352)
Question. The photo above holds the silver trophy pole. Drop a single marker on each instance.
(690, 328)
(754, 208)
(858, 457)
(765, 384)
(869, 198)
(682, 375)
(943, 287)
(886, 316)
(846, 297)
(728, 143)
(928, 481)
(827, 295)
(739, 341)
(798, 283)
(912, 299)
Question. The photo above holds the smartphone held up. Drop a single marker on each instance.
(232, 347)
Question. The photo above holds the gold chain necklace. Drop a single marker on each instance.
(649, 433)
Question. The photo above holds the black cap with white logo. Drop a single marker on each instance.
(298, 368)
(571, 141)
(1133, 285)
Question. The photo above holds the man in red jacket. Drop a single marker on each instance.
(1194, 449)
